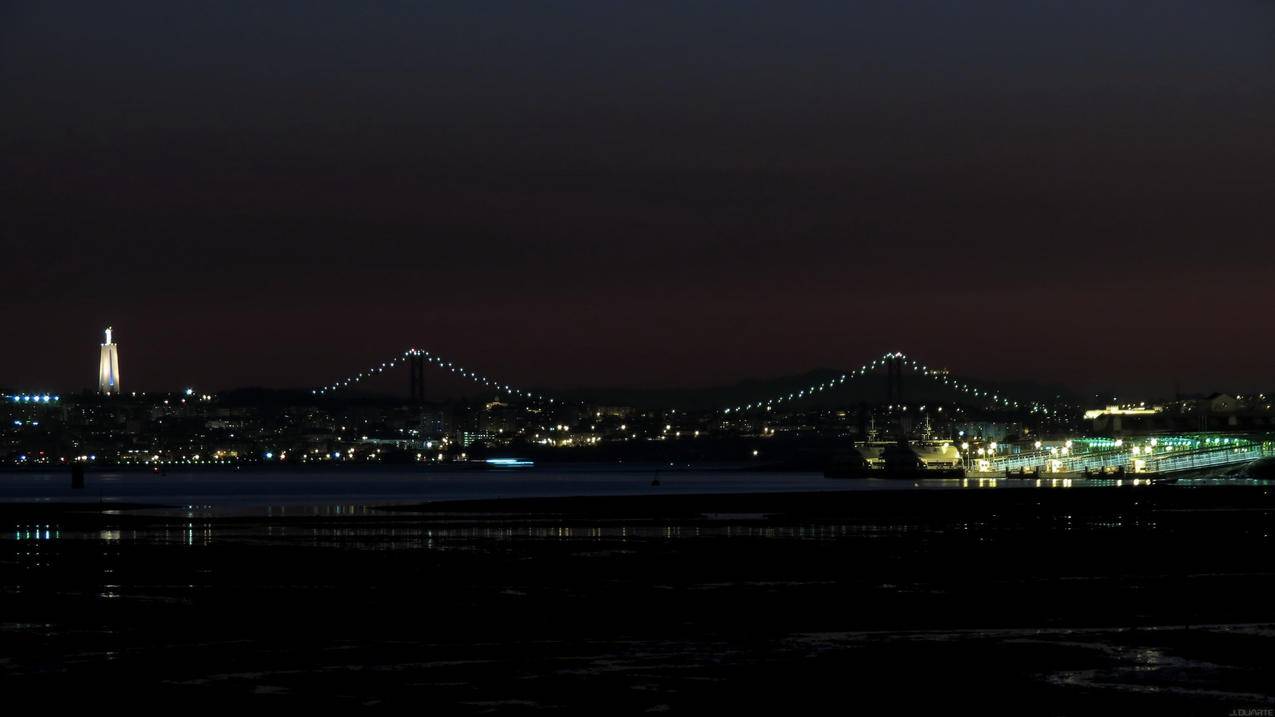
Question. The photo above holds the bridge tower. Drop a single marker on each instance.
(416, 378)
(894, 379)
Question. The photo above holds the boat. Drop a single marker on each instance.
(922, 457)
(504, 464)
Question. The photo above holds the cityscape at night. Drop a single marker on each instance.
(614, 357)
(976, 430)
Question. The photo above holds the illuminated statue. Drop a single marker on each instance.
(108, 367)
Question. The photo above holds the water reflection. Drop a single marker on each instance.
(282, 493)
(409, 534)
(36, 532)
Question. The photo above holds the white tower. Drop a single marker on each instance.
(108, 367)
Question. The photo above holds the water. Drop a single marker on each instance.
(233, 587)
(269, 491)
(266, 491)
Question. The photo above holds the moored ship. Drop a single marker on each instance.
(922, 457)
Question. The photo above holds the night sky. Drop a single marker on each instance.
(594, 193)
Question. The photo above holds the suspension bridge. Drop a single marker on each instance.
(894, 363)
(1089, 456)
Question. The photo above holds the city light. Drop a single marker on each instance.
(33, 398)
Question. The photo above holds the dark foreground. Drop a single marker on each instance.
(1135, 601)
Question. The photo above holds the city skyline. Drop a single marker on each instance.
(385, 376)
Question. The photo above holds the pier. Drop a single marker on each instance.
(1143, 455)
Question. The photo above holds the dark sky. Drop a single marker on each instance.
(641, 193)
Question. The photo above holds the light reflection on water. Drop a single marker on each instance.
(344, 509)
(406, 533)
(270, 493)
(415, 537)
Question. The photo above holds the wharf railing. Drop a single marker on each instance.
(1173, 455)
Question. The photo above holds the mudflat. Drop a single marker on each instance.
(1149, 599)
